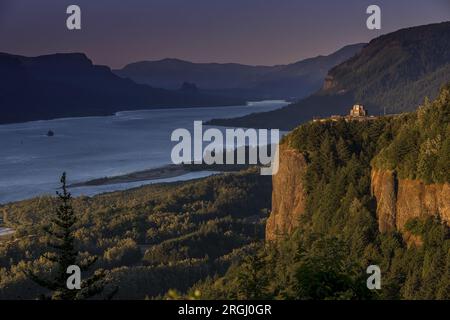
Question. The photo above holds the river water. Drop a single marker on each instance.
(94, 147)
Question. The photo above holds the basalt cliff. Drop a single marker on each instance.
(288, 195)
(397, 200)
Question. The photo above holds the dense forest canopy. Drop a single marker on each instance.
(421, 148)
(150, 239)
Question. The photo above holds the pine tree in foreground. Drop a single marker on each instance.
(64, 254)
(252, 278)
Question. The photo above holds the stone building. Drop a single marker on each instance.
(358, 111)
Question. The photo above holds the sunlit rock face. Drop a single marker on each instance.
(288, 195)
(399, 200)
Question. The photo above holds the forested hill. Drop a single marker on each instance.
(67, 85)
(421, 148)
(327, 225)
(393, 72)
(396, 70)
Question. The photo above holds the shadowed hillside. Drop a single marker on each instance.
(67, 85)
(393, 72)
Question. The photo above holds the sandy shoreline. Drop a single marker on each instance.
(168, 171)
(6, 231)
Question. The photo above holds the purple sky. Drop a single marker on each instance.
(116, 32)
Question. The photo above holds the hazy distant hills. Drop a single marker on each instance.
(62, 85)
(170, 73)
(394, 71)
(67, 85)
(290, 81)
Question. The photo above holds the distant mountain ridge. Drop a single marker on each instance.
(393, 73)
(170, 73)
(67, 85)
(293, 80)
(415, 61)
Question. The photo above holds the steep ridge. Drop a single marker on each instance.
(398, 200)
(393, 73)
(398, 166)
(390, 71)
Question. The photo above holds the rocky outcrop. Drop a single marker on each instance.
(329, 83)
(288, 196)
(399, 200)
(384, 188)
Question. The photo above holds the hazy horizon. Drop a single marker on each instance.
(251, 32)
(181, 59)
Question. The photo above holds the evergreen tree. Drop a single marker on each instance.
(323, 273)
(64, 254)
(343, 151)
(253, 279)
(327, 156)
